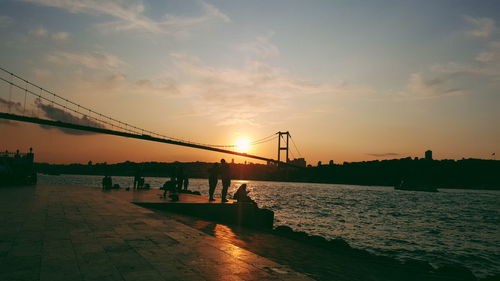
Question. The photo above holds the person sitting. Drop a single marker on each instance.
(171, 187)
(241, 195)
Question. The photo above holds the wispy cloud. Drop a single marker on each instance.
(50, 112)
(61, 36)
(5, 21)
(481, 27)
(250, 94)
(39, 32)
(453, 68)
(10, 106)
(94, 60)
(130, 15)
(41, 74)
(421, 87)
(487, 64)
(441, 79)
(63, 116)
(491, 56)
(245, 95)
(261, 48)
(42, 32)
(165, 86)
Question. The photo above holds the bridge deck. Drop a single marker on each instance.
(76, 233)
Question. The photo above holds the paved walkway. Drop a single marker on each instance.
(75, 233)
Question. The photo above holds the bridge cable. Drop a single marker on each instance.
(293, 142)
(10, 92)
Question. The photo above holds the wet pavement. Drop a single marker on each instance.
(77, 233)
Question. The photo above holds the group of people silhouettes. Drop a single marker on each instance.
(179, 182)
(107, 182)
(218, 171)
(138, 180)
(223, 171)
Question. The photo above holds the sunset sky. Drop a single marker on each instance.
(350, 80)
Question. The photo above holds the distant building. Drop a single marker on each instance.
(301, 162)
(428, 155)
(319, 164)
(330, 163)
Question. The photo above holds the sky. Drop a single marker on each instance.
(350, 80)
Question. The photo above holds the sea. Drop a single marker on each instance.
(451, 226)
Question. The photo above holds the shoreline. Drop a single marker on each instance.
(464, 174)
(270, 180)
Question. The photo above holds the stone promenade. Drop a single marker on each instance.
(52, 233)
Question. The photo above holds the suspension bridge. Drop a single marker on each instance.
(29, 102)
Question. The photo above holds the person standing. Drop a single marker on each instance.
(225, 175)
(212, 180)
(179, 177)
(185, 182)
(137, 178)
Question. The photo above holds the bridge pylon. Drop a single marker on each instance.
(280, 147)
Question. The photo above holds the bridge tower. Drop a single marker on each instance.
(280, 148)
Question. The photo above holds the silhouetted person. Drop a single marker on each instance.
(107, 182)
(225, 175)
(241, 195)
(186, 182)
(140, 183)
(171, 187)
(179, 177)
(30, 155)
(212, 180)
(137, 178)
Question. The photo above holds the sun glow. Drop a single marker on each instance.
(242, 145)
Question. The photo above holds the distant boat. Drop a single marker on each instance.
(415, 187)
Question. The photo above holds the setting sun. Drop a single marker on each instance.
(242, 145)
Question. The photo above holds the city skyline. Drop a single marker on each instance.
(351, 81)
